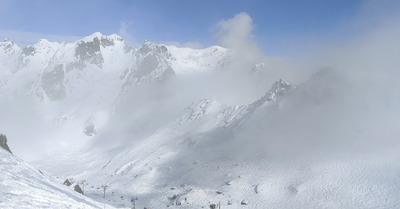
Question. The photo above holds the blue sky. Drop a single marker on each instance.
(280, 26)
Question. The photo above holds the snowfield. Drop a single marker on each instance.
(22, 186)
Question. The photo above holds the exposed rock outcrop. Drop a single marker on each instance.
(3, 142)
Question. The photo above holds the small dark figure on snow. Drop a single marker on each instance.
(78, 189)
(3, 142)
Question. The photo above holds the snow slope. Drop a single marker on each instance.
(189, 60)
(212, 153)
(22, 186)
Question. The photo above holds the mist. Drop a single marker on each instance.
(348, 104)
(346, 96)
(345, 101)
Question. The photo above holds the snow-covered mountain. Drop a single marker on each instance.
(61, 68)
(138, 168)
(218, 154)
(150, 123)
(73, 88)
(77, 86)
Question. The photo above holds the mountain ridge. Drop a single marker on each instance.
(97, 71)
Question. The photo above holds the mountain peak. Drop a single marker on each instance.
(279, 88)
(148, 47)
(100, 36)
(147, 43)
(7, 40)
(44, 43)
(94, 35)
(9, 46)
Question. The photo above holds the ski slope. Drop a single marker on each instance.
(200, 158)
(22, 186)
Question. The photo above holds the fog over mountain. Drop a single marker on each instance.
(183, 127)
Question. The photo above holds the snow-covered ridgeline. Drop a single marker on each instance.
(94, 72)
(211, 113)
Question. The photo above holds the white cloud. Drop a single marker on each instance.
(123, 31)
(236, 33)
